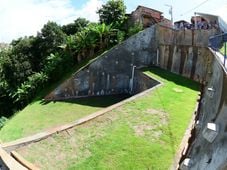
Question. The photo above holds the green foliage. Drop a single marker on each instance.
(27, 90)
(120, 36)
(135, 29)
(75, 27)
(3, 121)
(30, 62)
(49, 40)
(15, 68)
(113, 12)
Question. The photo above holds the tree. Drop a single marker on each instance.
(113, 12)
(104, 32)
(75, 27)
(49, 40)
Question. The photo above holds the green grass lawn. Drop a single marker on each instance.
(37, 116)
(142, 134)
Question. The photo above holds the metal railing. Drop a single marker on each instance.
(217, 42)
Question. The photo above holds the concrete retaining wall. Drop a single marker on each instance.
(185, 52)
(189, 61)
(111, 73)
(181, 52)
(204, 154)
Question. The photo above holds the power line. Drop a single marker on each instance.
(195, 7)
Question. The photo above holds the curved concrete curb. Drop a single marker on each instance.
(23, 162)
(10, 146)
(9, 162)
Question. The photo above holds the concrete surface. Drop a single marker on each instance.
(111, 73)
(211, 155)
(8, 162)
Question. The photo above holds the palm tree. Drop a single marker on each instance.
(104, 32)
(81, 44)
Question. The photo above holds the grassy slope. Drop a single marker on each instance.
(142, 134)
(38, 116)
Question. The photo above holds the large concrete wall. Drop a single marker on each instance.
(205, 154)
(185, 52)
(111, 73)
(182, 52)
(189, 61)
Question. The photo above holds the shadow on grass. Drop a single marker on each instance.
(165, 74)
(97, 101)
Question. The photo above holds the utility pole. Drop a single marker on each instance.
(170, 12)
(195, 21)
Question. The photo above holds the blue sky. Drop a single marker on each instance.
(26, 17)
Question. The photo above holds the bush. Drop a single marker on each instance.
(3, 121)
(29, 88)
(135, 29)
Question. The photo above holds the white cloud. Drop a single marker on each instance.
(26, 17)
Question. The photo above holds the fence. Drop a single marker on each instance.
(218, 42)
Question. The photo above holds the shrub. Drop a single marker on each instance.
(3, 121)
(29, 88)
(135, 29)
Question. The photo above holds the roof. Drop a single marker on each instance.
(181, 21)
(140, 6)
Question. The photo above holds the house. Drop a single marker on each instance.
(146, 16)
(166, 22)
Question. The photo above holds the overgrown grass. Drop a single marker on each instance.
(142, 134)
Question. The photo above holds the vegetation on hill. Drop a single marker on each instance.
(33, 63)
